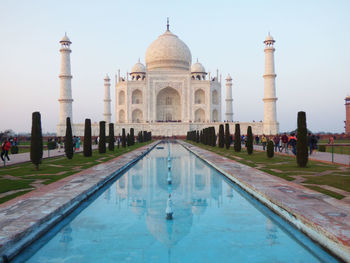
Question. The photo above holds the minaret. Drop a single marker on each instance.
(229, 111)
(65, 83)
(347, 115)
(107, 101)
(270, 115)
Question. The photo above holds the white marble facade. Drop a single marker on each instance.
(170, 96)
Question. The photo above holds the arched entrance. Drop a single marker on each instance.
(137, 116)
(199, 115)
(168, 105)
(215, 115)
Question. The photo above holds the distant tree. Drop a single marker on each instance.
(132, 136)
(221, 136)
(111, 137)
(87, 138)
(227, 136)
(197, 136)
(128, 140)
(123, 138)
(237, 143)
(140, 137)
(68, 144)
(102, 141)
(249, 140)
(302, 151)
(213, 136)
(269, 149)
(36, 144)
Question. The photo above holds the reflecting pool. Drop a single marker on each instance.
(213, 220)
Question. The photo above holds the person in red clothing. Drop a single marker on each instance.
(5, 147)
(292, 141)
(284, 140)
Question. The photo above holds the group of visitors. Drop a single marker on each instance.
(5, 147)
(284, 142)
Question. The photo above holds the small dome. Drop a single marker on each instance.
(138, 68)
(197, 68)
(269, 38)
(228, 77)
(65, 39)
(168, 51)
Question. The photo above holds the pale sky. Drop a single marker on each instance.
(312, 57)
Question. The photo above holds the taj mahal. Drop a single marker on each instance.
(170, 95)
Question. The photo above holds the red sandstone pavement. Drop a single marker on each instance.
(343, 159)
(326, 222)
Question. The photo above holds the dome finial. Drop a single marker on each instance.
(139, 60)
(197, 60)
(167, 24)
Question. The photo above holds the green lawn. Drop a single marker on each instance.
(22, 176)
(285, 167)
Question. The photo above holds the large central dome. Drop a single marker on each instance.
(168, 52)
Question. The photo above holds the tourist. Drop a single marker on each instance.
(263, 141)
(292, 141)
(276, 141)
(284, 140)
(257, 139)
(5, 147)
(310, 142)
(77, 144)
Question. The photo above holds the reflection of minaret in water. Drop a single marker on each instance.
(66, 235)
(271, 231)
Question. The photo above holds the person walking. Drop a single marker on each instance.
(257, 139)
(284, 140)
(310, 142)
(292, 141)
(5, 147)
(263, 141)
(77, 144)
(276, 141)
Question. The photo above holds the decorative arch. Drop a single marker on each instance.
(122, 116)
(168, 105)
(215, 97)
(199, 97)
(121, 97)
(137, 116)
(215, 115)
(136, 97)
(199, 115)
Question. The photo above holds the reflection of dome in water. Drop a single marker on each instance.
(169, 232)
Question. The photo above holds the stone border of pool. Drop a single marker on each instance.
(326, 223)
(26, 218)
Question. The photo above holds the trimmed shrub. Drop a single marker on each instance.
(14, 149)
(36, 143)
(102, 141)
(87, 138)
(68, 144)
(302, 150)
(123, 138)
(132, 136)
(51, 145)
(249, 140)
(111, 137)
(128, 141)
(269, 150)
(197, 137)
(322, 148)
(221, 136)
(237, 143)
(227, 136)
(213, 136)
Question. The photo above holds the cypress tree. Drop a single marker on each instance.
(197, 136)
(213, 136)
(87, 138)
(227, 136)
(249, 140)
(123, 138)
(221, 136)
(68, 144)
(132, 136)
(36, 140)
(237, 143)
(111, 137)
(269, 149)
(128, 140)
(102, 141)
(302, 152)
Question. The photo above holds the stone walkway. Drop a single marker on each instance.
(27, 217)
(343, 159)
(327, 222)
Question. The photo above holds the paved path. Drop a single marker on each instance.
(343, 159)
(323, 218)
(25, 157)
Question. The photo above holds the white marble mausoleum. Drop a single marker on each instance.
(169, 95)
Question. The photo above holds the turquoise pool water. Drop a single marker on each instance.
(214, 220)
